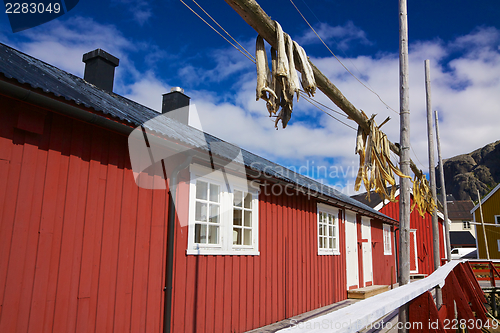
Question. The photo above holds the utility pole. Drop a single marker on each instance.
(432, 178)
(432, 171)
(443, 190)
(484, 230)
(404, 197)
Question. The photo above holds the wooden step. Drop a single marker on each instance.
(363, 293)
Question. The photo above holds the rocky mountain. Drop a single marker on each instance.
(467, 173)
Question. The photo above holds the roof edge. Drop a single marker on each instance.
(485, 198)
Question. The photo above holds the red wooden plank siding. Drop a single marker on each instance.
(82, 248)
(423, 225)
(67, 238)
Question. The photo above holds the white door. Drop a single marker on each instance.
(351, 247)
(413, 251)
(366, 236)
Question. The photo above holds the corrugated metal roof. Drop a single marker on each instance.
(40, 75)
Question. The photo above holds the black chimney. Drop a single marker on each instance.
(175, 100)
(100, 69)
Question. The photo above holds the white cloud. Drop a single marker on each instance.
(141, 10)
(465, 83)
(63, 42)
(343, 36)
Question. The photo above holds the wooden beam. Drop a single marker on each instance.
(255, 16)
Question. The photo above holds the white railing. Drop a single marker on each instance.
(363, 313)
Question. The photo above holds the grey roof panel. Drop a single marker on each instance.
(40, 75)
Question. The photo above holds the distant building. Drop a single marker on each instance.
(421, 238)
(460, 216)
(491, 217)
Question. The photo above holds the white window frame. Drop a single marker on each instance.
(387, 239)
(322, 208)
(225, 246)
(497, 219)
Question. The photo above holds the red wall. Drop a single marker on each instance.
(423, 225)
(239, 293)
(82, 248)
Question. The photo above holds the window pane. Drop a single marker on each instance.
(334, 243)
(248, 218)
(214, 213)
(200, 212)
(236, 236)
(330, 218)
(321, 242)
(200, 233)
(213, 234)
(331, 243)
(201, 190)
(238, 198)
(248, 200)
(237, 217)
(214, 193)
(320, 229)
(247, 240)
(331, 231)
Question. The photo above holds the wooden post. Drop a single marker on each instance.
(432, 171)
(404, 197)
(443, 190)
(255, 16)
(432, 179)
(484, 229)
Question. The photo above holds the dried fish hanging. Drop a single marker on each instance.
(279, 87)
(263, 73)
(422, 196)
(376, 170)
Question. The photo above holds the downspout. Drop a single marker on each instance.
(169, 265)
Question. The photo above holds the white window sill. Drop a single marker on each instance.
(215, 252)
(387, 253)
(328, 253)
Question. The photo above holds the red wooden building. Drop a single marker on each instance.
(83, 248)
(421, 238)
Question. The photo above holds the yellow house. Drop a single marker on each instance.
(491, 215)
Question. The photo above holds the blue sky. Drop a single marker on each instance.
(161, 44)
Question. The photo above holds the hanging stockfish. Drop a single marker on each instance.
(308, 81)
(279, 86)
(376, 169)
(293, 79)
(422, 196)
(282, 68)
(264, 77)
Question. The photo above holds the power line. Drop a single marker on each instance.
(252, 60)
(227, 33)
(308, 99)
(415, 154)
(354, 76)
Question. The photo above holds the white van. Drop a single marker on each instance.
(460, 252)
